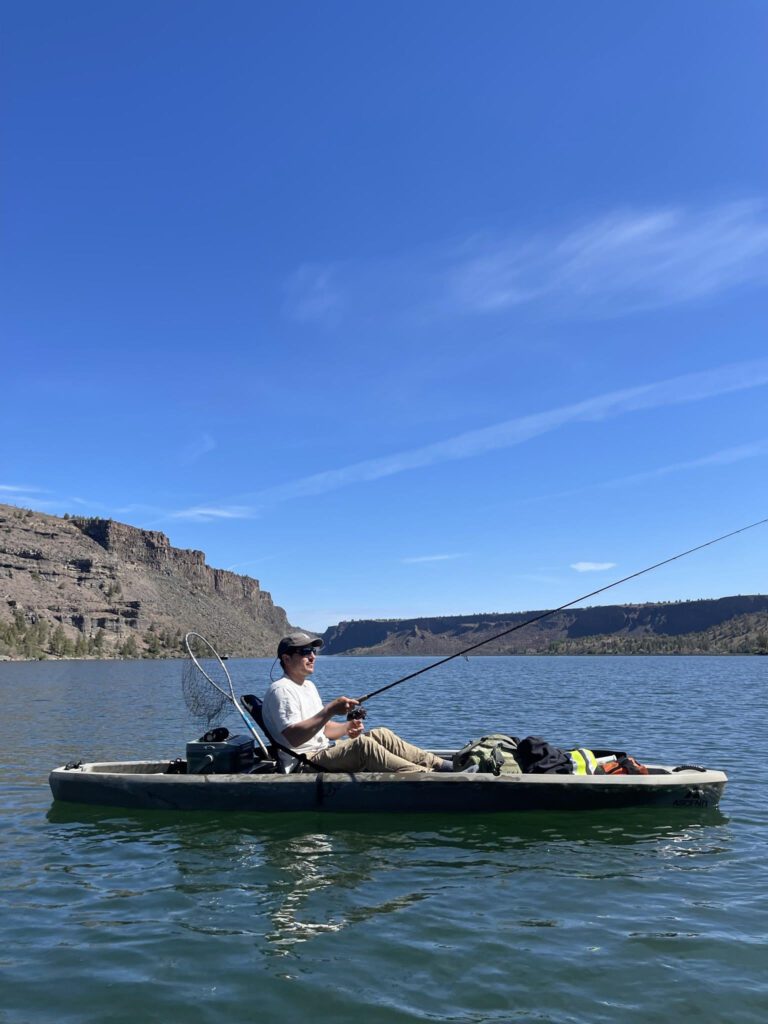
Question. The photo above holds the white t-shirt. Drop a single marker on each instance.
(285, 704)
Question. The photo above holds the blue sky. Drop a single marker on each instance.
(401, 308)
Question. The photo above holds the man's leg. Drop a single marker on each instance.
(407, 751)
(365, 754)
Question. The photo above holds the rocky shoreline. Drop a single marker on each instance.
(88, 587)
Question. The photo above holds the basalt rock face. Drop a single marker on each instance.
(132, 546)
(105, 588)
(723, 625)
(440, 635)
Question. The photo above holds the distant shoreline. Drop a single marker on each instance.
(5, 659)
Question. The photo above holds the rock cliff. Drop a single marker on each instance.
(95, 586)
(728, 624)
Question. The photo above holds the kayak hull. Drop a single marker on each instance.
(148, 785)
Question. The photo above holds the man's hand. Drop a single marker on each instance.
(338, 730)
(355, 727)
(340, 706)
(302, 732)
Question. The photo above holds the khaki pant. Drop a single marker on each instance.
(380, 750)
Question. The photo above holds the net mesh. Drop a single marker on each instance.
(204, 701)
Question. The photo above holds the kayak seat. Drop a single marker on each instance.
(292, 761)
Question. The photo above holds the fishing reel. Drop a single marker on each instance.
(357, 714)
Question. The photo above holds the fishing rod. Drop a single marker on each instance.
(552, 611)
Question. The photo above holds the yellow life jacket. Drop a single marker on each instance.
(583, 761)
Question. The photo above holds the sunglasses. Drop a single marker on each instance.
(306, 651)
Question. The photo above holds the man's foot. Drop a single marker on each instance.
(447, 766)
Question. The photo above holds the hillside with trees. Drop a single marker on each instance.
(726, 625)
(75, 587)
(86, 587)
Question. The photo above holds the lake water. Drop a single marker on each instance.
(115, 916)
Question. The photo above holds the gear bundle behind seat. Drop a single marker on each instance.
(222, 755)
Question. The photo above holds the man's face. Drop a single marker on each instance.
(301, 662)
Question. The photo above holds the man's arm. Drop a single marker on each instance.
(302, 732)
(335, 730)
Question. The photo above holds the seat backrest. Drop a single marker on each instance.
(291, 760)
(252, 705)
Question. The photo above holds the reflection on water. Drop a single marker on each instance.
(296, 877)
(486, 830)
(308, 864)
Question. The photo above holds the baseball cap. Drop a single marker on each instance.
(298, 639)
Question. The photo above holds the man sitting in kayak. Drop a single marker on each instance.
(296, 717)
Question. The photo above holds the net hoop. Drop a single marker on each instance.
(214, 654)
(200, 639)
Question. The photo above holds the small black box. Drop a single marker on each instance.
(234, 754)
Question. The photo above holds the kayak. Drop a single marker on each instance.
(165, 785)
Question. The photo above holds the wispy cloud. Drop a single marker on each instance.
(197, 448)
(725, 457)
(688, 388)
(313, 294)
(26, 496)
(592, 566)
(251, 561)
(430, 558)
(208, 513)
(619, 262)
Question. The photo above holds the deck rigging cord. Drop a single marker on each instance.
(552, 611)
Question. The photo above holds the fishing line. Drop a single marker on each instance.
(562, 607)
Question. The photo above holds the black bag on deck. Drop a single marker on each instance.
(538, 757)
